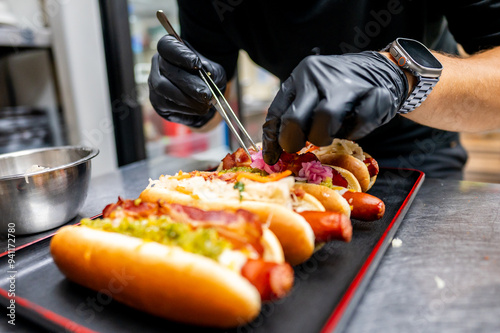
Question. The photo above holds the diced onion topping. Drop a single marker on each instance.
(315, 172)
(258, 162)
(342, 146)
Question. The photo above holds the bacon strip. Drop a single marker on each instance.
(242, 228)
(237, 159)
(131, 207)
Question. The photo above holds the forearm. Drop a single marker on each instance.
(467, 96)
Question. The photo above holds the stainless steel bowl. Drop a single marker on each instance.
(42, 200)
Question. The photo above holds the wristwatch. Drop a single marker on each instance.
(414, 57)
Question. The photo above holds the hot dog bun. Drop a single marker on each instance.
(372, 178)
(329, 198)
(353, 165)
(162, 280)
(272, 247)
(292, 230)
(347, 155)
(352, 180)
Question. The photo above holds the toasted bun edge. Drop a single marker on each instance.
(162, 280)
(350, 163)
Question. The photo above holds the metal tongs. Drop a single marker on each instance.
(216, 93)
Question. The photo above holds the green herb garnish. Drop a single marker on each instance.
(240, 187)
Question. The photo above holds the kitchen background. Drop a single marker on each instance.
(75, 72)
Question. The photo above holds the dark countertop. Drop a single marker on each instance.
(444, 278)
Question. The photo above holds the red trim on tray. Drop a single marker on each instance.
(337, 313)
(41, 239)
(28, 244)
(65, 323)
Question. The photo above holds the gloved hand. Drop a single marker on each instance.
(176, 90)
(345, 96)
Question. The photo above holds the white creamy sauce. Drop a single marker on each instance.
(233, 260)
(33, 168)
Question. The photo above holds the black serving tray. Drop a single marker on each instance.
(327, 287)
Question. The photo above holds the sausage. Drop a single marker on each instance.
(365, 207)
(272, 280)
(328, 226)
(372, 166)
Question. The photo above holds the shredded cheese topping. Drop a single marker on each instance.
(278, 191)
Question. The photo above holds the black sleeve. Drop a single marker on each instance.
(202, 28)
(475, 24)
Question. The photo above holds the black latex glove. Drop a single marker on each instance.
(176, 90)
(325, 97)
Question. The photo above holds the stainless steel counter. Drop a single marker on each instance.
(444, 278)
(446, 275)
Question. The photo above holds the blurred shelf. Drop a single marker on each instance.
(484, 156)
(25, 38)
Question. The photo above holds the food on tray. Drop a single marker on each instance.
(274, 198)
(203, 267)
(350, 156)
(207, 248)
(334, 186)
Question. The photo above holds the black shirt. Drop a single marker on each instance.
(278, 34)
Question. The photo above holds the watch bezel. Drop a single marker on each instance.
(410, 63)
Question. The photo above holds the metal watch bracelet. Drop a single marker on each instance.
(419, 94)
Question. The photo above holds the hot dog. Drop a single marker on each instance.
(302, 166)
(210, 268)
(329, 184)
(365, 207)
(273, 199)
(361, 206)
(308, 172)
(328, 226)
(350, 156)
(330, 199)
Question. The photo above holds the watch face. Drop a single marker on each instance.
(419, 53)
